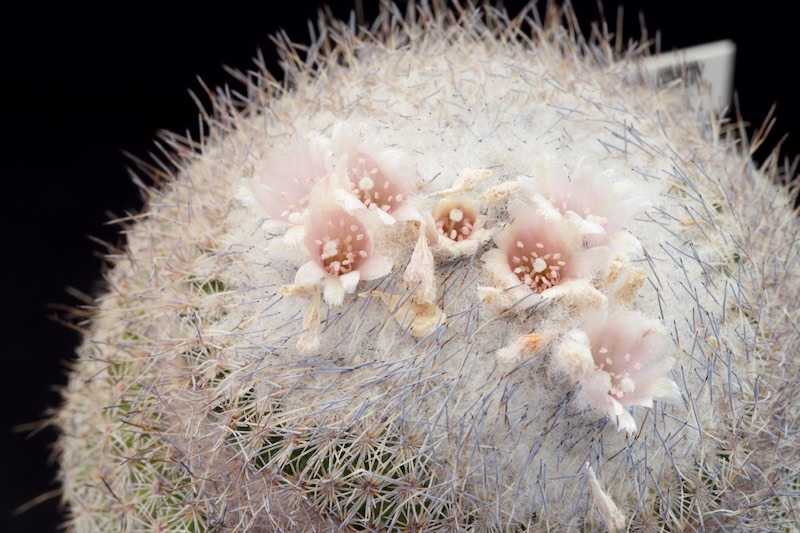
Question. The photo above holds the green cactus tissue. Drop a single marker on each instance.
(463, 272)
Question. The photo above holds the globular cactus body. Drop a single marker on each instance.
(457, 274)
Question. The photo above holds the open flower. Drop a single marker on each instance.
(340, 252)
(601, 203)
(373, 176)
(621, 361)
(281, 186)
(457, 226)
(540, 255)
(283, 181)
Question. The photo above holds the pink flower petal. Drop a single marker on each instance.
(337, 241)
(375, 267)
(539, 246)
(350, 281)
(284, 179)
(309, 273)
(333, 291)
(406, 212)
(379, 177)
(586, 263)
(598, 196)
(340, 251)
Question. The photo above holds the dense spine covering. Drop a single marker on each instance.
(441, 278)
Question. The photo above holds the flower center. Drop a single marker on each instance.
(372, 187)
(456, 225)
(535, 266)
(343, 247)
(621, 381)
(294, 204)
(565, 203)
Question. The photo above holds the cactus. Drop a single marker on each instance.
(458, 272)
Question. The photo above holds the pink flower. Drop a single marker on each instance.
(282, 183)
(374, 177)
(340, 252)
(621, 361)
(601, 202)
(455, 219)
(457, 226)
(540, 254)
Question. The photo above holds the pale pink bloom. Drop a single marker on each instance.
(621, 361)
(340, 252)
(283, 180)
(456, 226)
(541, 254)
(600, 201)
(373, 176)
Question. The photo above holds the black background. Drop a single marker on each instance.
(81, 84)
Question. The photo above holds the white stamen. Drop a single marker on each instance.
(366, 184)
(330, 248)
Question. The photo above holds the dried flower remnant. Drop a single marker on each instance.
(620, 361)
(614, 518)
(309, 339)
(523, 347)
(420, 274)
(467, 180)
(418, 318)
(341, 253)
